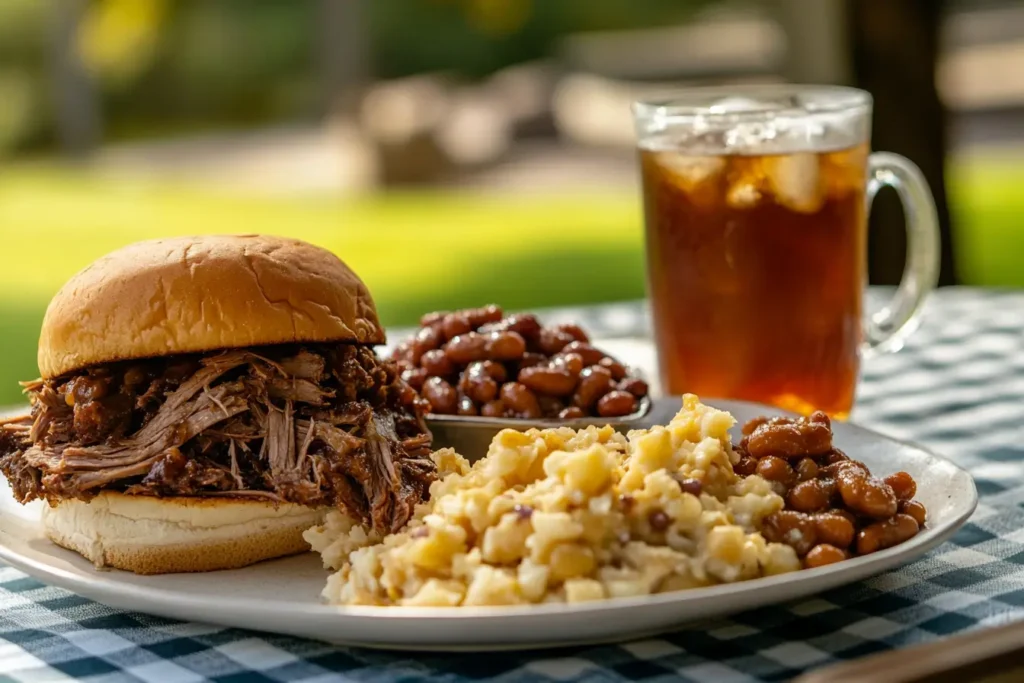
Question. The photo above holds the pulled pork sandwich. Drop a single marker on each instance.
(203, 400)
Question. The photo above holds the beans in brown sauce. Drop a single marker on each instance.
(834, 529)
(776, 470)
(788, 438)
(617, 369)
(572, 362)
(482, 316)
(478, 385)
(915, 509)
(415, 377)
(866, 495)
(436, 363)
(746, 466)
(834, 456)
(574, 331)
(455, 324)
(465, 348)
(806, 469)
(851, 511)
(589, 354)
(902, 484)
(442, 396)
(403, 354)
(478, 351)
(795, 529)
(494, 408)
(427, 339)
(520, 399)
(431, 319)
(635, 386)
(467, 406)
(497, 371)
(408, 395)
(616, 404)
(594, 383)
(531, 359)
(809, 496)
(525, 325)
(753, 424)
(548, 380)
(824, 554)
(886, 534)
(504, 346)
(845, 514)
(550, 405)
(552, 341)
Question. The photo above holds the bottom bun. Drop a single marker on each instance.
(149, 535)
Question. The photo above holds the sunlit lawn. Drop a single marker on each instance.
(416, 251)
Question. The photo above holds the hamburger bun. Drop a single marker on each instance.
(148, 535)
(197, 294)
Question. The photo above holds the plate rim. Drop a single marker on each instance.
(862, 567)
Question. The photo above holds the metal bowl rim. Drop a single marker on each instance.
(545, 423)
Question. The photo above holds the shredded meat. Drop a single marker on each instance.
(318, 426)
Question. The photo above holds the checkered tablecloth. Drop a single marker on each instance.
(957, 387)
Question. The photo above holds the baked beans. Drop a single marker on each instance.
(823, 554)
(886, 534)
(791, 438)
(479, 361)
(915, 509)
(776, 470)
(834, 507)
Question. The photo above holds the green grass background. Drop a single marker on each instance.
(417, 252)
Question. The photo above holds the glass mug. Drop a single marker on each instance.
(756, 202)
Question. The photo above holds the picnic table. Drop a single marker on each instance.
(957, 387)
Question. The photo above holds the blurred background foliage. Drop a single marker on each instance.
(165, 66)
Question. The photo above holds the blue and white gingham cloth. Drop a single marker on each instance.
(957, 387)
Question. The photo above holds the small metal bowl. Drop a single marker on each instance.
(471, 436)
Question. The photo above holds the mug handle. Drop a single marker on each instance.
(888, 328)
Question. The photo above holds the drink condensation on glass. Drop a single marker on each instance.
(756, 233)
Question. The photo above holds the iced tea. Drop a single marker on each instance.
(756, 267)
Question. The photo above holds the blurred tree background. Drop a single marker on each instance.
(163, 66)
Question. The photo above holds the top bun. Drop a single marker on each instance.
(195, 294)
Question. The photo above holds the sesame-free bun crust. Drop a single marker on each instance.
(149, 535)
(195, 294)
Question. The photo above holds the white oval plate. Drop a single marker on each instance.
(282, 596)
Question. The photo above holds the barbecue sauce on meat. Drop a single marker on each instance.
(326, 425)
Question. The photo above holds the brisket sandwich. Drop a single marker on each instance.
(203, 400)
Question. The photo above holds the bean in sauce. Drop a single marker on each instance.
(594, 382)
(442, 396)
(850, 511)
(548, 380)
(455, 324)
(824, 554)
(436, 363)
(465, 348)
(520, 399)
(552, 341)
(886, 534)
(504, 346)
(478, 351)
(616, 404)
